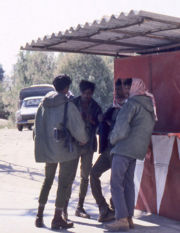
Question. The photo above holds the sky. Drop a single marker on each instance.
(22, 21)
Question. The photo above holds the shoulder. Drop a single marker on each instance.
(72, 108)
(71, 104)
(132, 103)
(76, 99)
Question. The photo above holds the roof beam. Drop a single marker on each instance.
(148, 34)
(159, 49)
(39, 48)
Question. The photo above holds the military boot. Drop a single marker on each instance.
(39, 217)
(80, 211)
(105, 214)
(58, 222)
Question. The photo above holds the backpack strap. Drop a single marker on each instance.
(65, 114)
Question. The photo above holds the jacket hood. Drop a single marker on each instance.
(145, 101)
(54, 99)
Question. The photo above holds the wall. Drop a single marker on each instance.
(161, 74)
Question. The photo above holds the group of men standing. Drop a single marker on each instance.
(65, 133)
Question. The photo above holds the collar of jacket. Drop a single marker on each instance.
(54, 99)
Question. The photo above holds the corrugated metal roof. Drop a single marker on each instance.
(123, 35)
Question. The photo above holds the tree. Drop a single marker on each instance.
(31, 68)
(3, 112)
(92, 68)
(34, 68)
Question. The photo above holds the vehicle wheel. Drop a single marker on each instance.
(30, 127)
(20, 127)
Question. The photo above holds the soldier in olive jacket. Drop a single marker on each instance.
(51, 150)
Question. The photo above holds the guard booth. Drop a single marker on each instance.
(144, 45)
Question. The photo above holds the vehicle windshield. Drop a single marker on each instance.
(31, 102)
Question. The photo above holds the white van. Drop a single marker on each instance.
(29, 99)
(26, 114)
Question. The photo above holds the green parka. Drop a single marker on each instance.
(49, 116)
(133, 128)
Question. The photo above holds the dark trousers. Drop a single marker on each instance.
(122, 185)
(86, 157)
(102, 164)
(66, 177)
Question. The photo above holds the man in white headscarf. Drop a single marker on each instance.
(130, 138)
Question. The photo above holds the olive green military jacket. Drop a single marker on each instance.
(49, 116)
(133, 128)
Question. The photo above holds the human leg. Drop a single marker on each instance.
(129, 191)
(85, 167)
(66, 177)
(120, 166)
(102, 164)
(50, 170)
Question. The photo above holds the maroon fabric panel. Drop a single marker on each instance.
(161, 73)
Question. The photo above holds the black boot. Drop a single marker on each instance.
(58, 222)
(80, 211)
(105, 214)
(39, 217)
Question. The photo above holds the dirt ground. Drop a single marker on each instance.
(21, 179)
(3, 123)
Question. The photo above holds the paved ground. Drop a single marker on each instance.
(21, 179)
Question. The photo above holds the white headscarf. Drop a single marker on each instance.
(138, 87)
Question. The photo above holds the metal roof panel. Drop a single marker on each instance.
(135, 32)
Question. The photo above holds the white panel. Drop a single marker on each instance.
(137, 177)
(162, 150)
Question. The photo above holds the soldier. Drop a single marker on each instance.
(56, 120)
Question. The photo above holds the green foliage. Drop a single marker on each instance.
(34, 68)
(39, 67)
(31, 68)
(92, 68)
(3, 112)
